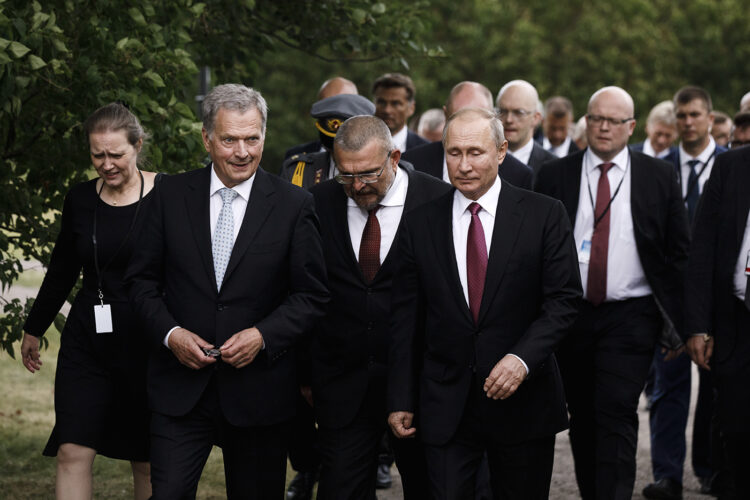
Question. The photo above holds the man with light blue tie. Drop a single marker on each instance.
(229, 273)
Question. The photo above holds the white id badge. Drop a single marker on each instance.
(103, 317)
(584, 253)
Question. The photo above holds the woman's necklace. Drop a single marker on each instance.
(123, 194)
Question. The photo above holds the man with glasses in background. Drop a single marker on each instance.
(631, 233)
(360, 213)
(517, 107)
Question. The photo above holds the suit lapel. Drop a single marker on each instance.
(640, 188)
(258, 208)
(743, 199)
(507, 227)
(197, 203)
(572, 186)
(342, 236)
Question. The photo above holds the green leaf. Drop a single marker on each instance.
(4, 43)
(359, 16)
(198, 8)
(22, 81)
(18, 49)
(184, 110)
(121, 43)
(155, 78)
(4, 58)
(136, 15)
(36, 62)
(378, 8)
(60, 45)
(59, 322)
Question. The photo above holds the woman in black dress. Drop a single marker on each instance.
(100, 387)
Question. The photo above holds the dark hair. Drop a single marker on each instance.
(113, 117)
(690, 93)
(558, 106)
(721, 117)
(396, 80)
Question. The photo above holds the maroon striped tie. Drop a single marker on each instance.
(596, 286)
(476, 261)
(369, 247)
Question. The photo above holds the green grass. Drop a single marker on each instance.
(26, 420)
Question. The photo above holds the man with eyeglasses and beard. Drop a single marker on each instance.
(360, 213)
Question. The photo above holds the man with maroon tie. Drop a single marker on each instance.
(486, 288)
(631, 232)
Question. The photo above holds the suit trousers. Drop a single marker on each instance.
(254, 457)
(706, 453)
(303, 451)
(516, 471)
(604, 362)
(349, 455)
(669, 414)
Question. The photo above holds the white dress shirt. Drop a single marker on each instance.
(740, 278)
(399, 138)
(239, 206)
(648, 149)
(706, 157)
(625, 276)
(523, 153)
(333, 170)
(559, 151)
(388, 215)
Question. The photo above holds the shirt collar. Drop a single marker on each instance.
(702, 157)
(242, 189)
(524, 152)
(488, 201)
(592, 161)
(396, 195)
(399, 138)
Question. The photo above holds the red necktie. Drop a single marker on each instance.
(476, 261)
(596, 286)
(369, 247)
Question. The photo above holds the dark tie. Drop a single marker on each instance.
(476, 261)
(693, 192)
(369, 247)
(596, 285)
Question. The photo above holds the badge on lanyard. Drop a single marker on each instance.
(103, 317)
(584, 253)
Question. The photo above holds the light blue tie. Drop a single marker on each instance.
(223, 235)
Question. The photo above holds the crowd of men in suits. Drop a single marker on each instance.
(455, 303)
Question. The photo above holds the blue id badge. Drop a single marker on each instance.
(584, 253)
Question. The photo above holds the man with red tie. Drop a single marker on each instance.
(486, 288)
(631, 232)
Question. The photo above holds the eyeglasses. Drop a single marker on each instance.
(598, 120)
(365, 178)
(517, 113)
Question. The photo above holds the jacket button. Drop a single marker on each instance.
(219, 307)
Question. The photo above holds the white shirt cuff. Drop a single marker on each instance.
(166, 337)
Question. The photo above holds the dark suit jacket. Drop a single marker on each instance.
(350, 345)
(312, 169)
(674, 158)
(308, 147)
(413, 140)
(275, 281)
(717, 237)
(659, 220)
(428, 158)
(538, 156)
(530, 297)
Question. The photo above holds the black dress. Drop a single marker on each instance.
(100, 384)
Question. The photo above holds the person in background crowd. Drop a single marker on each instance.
(558, 117)
(579, 133)
(335, 86)
(516, 106)
(100, 383)
(741, 132)
(631, 232)
(394, 96)
(745, 102)
(661, 132)
(431, 124)
(722, 129)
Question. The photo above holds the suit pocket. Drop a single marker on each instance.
(275, 247)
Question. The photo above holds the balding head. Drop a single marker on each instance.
(610, 122)
(517, 106)
(745, 102)
(468, 94)
(336, 86)
(613, 93)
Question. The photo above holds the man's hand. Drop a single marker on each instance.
(187, 347)
(672, 353)
(30, 353)
(242, 347)
(401, 424)
(701, 347)
(505, 378)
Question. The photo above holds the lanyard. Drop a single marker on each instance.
(694, 184)
(617, 191)
(99, 272)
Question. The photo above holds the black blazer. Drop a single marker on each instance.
(659, 220)
(275, 281)
(350, 345)
(718, 230)
(312, 167)
(308, 147)
(429, 159)
(413, 140)
(538, 156)
(529, 301)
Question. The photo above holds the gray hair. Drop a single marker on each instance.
(432, 119)
(494, 123)
(662, 113)
(235, 97)
(359, 131)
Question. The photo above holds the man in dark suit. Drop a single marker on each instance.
(430, 158)
(717, 305)
(228, 274)
(693, 161)
(394, 97)
(517, 107)
(360, 216)
(486, 288)
(631, 232)
(557, 122)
